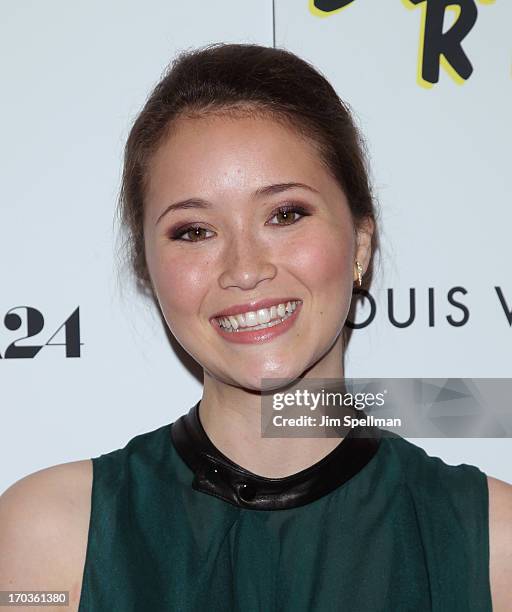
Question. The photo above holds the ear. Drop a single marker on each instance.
(364, 233)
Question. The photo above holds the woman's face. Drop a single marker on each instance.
(245, 250)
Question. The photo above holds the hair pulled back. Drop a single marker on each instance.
(246, 79)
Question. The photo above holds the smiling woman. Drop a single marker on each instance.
(249, 218)
(235, 251)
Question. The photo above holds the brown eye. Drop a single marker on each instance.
(288, 214)
(195, 233)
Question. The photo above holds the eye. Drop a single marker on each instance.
(191, 230)
(196, 233)
(288, 214)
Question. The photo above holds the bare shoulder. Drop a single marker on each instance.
(500, 542)
(44, 523)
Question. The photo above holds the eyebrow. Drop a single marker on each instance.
(261, 191)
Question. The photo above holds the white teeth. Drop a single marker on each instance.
(251, 319)
(264, 317)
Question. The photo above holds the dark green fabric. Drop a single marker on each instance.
(408, 532)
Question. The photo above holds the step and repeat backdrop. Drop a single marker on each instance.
(85, 364)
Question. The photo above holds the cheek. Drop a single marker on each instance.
(180, 283)
(324, 261)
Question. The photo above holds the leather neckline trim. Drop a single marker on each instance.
(216, 474)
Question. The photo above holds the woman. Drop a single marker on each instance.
(245, 190)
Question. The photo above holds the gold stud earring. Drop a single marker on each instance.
(359, 273)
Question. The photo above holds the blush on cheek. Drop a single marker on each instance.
(323, 262)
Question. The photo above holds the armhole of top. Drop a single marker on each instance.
(487, 540)
(83, 601)
(478, 546)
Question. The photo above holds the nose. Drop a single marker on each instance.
(246, 262)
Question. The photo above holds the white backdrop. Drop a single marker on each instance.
(74, 76)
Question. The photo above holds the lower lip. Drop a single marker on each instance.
(260, 335)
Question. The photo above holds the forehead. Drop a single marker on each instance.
(232, 151)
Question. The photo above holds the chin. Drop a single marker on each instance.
(287, 371)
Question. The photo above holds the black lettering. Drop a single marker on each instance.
(72, 335)
(373, 310)
(13, 322)
(504, 305)
(412, 309)
(453, 302)
(328, 6)
(431, 306)
(437, 43)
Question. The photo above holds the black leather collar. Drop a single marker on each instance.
(215, 474)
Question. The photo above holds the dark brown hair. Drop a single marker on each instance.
(243, 78)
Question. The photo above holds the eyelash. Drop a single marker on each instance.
(290, 208)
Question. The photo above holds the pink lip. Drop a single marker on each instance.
(254, 305)
(259, 335)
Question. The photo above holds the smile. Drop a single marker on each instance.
(262, 325)
(257, 319)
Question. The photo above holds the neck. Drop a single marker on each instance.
(231, 417)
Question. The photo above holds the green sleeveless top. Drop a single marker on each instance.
(188, 529)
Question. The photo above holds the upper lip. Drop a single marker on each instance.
(254, 305)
